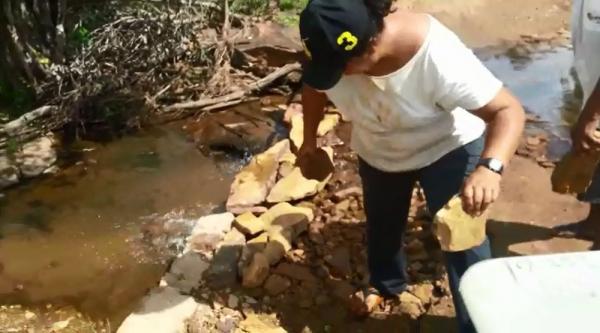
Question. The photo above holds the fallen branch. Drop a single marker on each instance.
(238, 95)
(16, 126)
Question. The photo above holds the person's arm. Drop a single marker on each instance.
(505, 120)
(584, 133)
(313, 109)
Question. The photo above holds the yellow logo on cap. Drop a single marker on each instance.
(348, 39)
(306, 51)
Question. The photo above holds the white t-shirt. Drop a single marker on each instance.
(586, 43)
(411, 118)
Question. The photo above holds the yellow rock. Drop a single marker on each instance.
(249, 224)
(456, 230)
(287, 165)
(295, 186)
(297, 131)
(259, 323)
(330, 120)
(272, 216)
(574, 173)
(281, 236)
(259, 242)
(328, 123)
(252, 184)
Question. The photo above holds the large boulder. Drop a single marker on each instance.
(164, 310)
(252, 184)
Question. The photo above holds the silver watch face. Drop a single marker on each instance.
(495, 164)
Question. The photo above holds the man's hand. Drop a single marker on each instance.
(585, 136)
(480, 190)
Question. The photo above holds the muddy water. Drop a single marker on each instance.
(74, 238)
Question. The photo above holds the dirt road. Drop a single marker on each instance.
(484, 23)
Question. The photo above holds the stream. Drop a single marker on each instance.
(77, 238)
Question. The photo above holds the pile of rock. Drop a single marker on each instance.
(272, 247)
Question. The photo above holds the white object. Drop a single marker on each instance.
(163, 311)
(586, 43)
(535, 294)
(410, 118)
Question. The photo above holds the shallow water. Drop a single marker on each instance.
(544, 82)
(74, 238)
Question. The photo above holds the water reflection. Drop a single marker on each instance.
(546, 84)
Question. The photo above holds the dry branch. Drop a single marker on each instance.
(238, 95)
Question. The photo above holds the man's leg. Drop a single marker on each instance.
(387, 199)
(441, 181)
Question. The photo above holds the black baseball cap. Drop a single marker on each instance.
(333, 31)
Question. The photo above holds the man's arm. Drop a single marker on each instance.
(584, 133)
(505, 118)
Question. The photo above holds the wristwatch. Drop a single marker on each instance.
(493, 164)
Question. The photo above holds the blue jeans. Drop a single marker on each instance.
(387, 199)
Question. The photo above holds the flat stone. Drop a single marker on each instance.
(456, 230)
(208, 232)
(249, 224)
(294, 186)
(282, 236)
(277, 284)
(258, 243)
(164, 310)
(223, 270)
(339, 261)
(234, 238)
(9, 174)
(35, 157)
(186, 272)
(286, 215)
(253, 183)
(257, 272)
(295, 271)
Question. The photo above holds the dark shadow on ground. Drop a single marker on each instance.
(504, 234)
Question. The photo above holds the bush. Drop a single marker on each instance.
(250, 7)
(292, 5)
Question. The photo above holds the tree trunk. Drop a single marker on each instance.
(30, 31)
